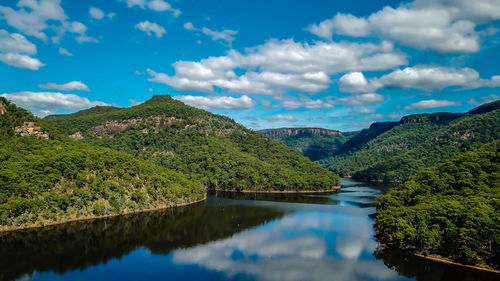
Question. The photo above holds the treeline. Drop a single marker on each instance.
(206, 147)
(452, 210)
(396, 150)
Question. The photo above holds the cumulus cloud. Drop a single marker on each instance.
(444, 26)
(428, 104)
(290, 102)
(21, 61)
(486, 99)
(243, 102)
(393, 115)
(374, 117)
(281, 117)
(362, 99)
(16, 50)
(45, 103)
(96, 13)
(150, 28)
(364, 110)
(37, 18)
(70, 86)
(283, 65)
(344, 24)
(421, 77)
(154, 5)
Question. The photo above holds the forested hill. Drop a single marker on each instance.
(451, 210)
(207, 147)
(392, 151)
(48, 178)
(314, 143)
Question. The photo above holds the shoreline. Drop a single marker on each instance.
(444, 260)
(335, 189)
(81, 219)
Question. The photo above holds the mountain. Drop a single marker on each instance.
(451, 210)
(210, 148)
(47, 178)
(314, 143)
(392, 151)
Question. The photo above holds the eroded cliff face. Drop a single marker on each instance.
(31, 129)
(3, 108)
(298, 131)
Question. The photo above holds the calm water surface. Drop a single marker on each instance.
(227, 237)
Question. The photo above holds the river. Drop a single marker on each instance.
(227, 237)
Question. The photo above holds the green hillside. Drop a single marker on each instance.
(46, 178)
(207, 147)
(313, 145)
(399, 149)
(452, 210)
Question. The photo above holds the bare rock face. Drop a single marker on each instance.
(3, 108)
(299, 131)
(31, 129)
(77, 136)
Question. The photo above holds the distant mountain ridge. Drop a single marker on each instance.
(391, 151)
(299, 131)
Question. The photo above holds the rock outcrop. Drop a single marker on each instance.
(3, 108)
(31, 129)
(299, 131)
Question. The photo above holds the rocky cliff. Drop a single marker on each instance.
(31, 129)
(3, 108)
(299, 131)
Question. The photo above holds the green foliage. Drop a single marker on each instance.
(313, 146)
(206, 147)
(416, 142)
(45, 181)
(452, 209)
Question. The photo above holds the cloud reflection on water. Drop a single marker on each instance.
(300, 246)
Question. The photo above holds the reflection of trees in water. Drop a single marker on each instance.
(279, 197)
(426, 270)
(78, 245)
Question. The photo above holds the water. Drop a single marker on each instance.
(227, 237)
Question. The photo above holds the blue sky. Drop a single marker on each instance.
(333, 64)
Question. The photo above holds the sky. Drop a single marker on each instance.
(333, 64)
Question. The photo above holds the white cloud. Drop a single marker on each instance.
(16, 50)
(290, 102)
(282, 64)
(41, 18)
(344, 24)
(393, 115)
(44, 103)
(364, 110)
(65, 52)
(489, 98)
(70, 86)
(428, 78)
(189, 26)
(151, 27)
(154, 5)
(421, 77)
(362, 99)
(281, 117)
(428, 104)
(374, 117)
(96, 13)
(243, 102)
(21, 61)
(355, 82)
(444, 26)
(225, 35)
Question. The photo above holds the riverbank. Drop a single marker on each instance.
(7, 229)
(439, 259)
(334, 189)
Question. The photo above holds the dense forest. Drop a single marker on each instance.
(452, 210)
(206, 147)
(314, 146)
(43, 181)
(393, 151)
